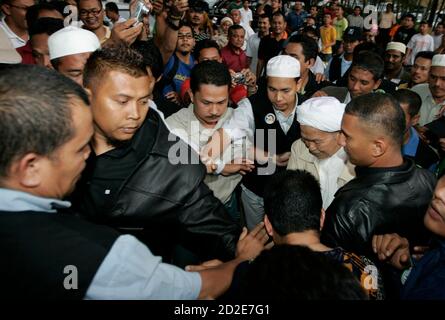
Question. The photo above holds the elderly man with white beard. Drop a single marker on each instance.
(317, 151)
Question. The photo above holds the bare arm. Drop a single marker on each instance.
(169, 24)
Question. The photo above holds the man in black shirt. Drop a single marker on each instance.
(134, 176)
(406, 30)
(271, 45)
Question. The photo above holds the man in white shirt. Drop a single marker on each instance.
(438, 34)
(421, 41)
(14, 21)
(112, 13)
(246, 13)
(317, 151)
(433, 92)
(253, 42)
(209, 88)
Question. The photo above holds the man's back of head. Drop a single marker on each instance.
(292, 202)
(289, 272)
(381, 115)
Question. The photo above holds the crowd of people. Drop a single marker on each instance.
(275, 153)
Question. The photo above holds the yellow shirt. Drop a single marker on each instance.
(328, 35)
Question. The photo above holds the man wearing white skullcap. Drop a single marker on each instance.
(394, 56)
(271, 112)
(318, 151)
(69, 49)
(433, 92)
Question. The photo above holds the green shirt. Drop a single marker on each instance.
(340, 27)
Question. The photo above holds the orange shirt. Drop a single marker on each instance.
(328, 35)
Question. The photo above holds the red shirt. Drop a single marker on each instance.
(26, 53)
(233, 60)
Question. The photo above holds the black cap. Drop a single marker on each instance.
(199, 6)
(352, 34)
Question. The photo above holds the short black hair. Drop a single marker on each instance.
(357, 7)
(424, 22)
(111, 6)
(151, 55)
(380, 111)
(33, 11)
(408, 15)
(410, 98)
(45, 25)
(115, 58)
(290, 272)
(309, 29)
(292, 202)
(205, 44)
(310, 47)
(234, 27)
(264, 16)
(425, 54)
(209, 72)
(370, 61)
(35, 112)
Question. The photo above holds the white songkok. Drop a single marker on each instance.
(283, 67)
(398, 46)
(72, 40)
(322, 113)
(438, 60)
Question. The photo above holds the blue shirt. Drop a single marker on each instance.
(129, 271)
(295, 20)
(183, 72)
(410, 148)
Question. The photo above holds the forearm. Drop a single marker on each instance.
(217, 280)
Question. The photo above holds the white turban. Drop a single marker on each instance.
(322, 113)
(71, 40)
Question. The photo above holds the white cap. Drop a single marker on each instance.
(226, 19)
(396, 46)
(71, 40)
(7, 52)
(438, 60)
(322, 113)
(283, 66)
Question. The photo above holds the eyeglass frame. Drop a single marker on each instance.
(86, 13)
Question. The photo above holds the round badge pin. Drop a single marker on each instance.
(269, 118)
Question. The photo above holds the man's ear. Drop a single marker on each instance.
(28, 170)
(322, 217)
(377, 84)
(268, 226)
(379, 147)
(299, 82)
(415, 120)
(6, 8)
(190, 93)
(89, 93)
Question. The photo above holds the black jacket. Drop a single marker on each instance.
(379, 201)
(168, 200)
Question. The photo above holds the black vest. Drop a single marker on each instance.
(37, 246)
(263, 114)
(335, 68)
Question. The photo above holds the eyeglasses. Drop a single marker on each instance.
(185, 36)
(94, 12)
(19, 7)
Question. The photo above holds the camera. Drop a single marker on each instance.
(140, 11)
(239, 78)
